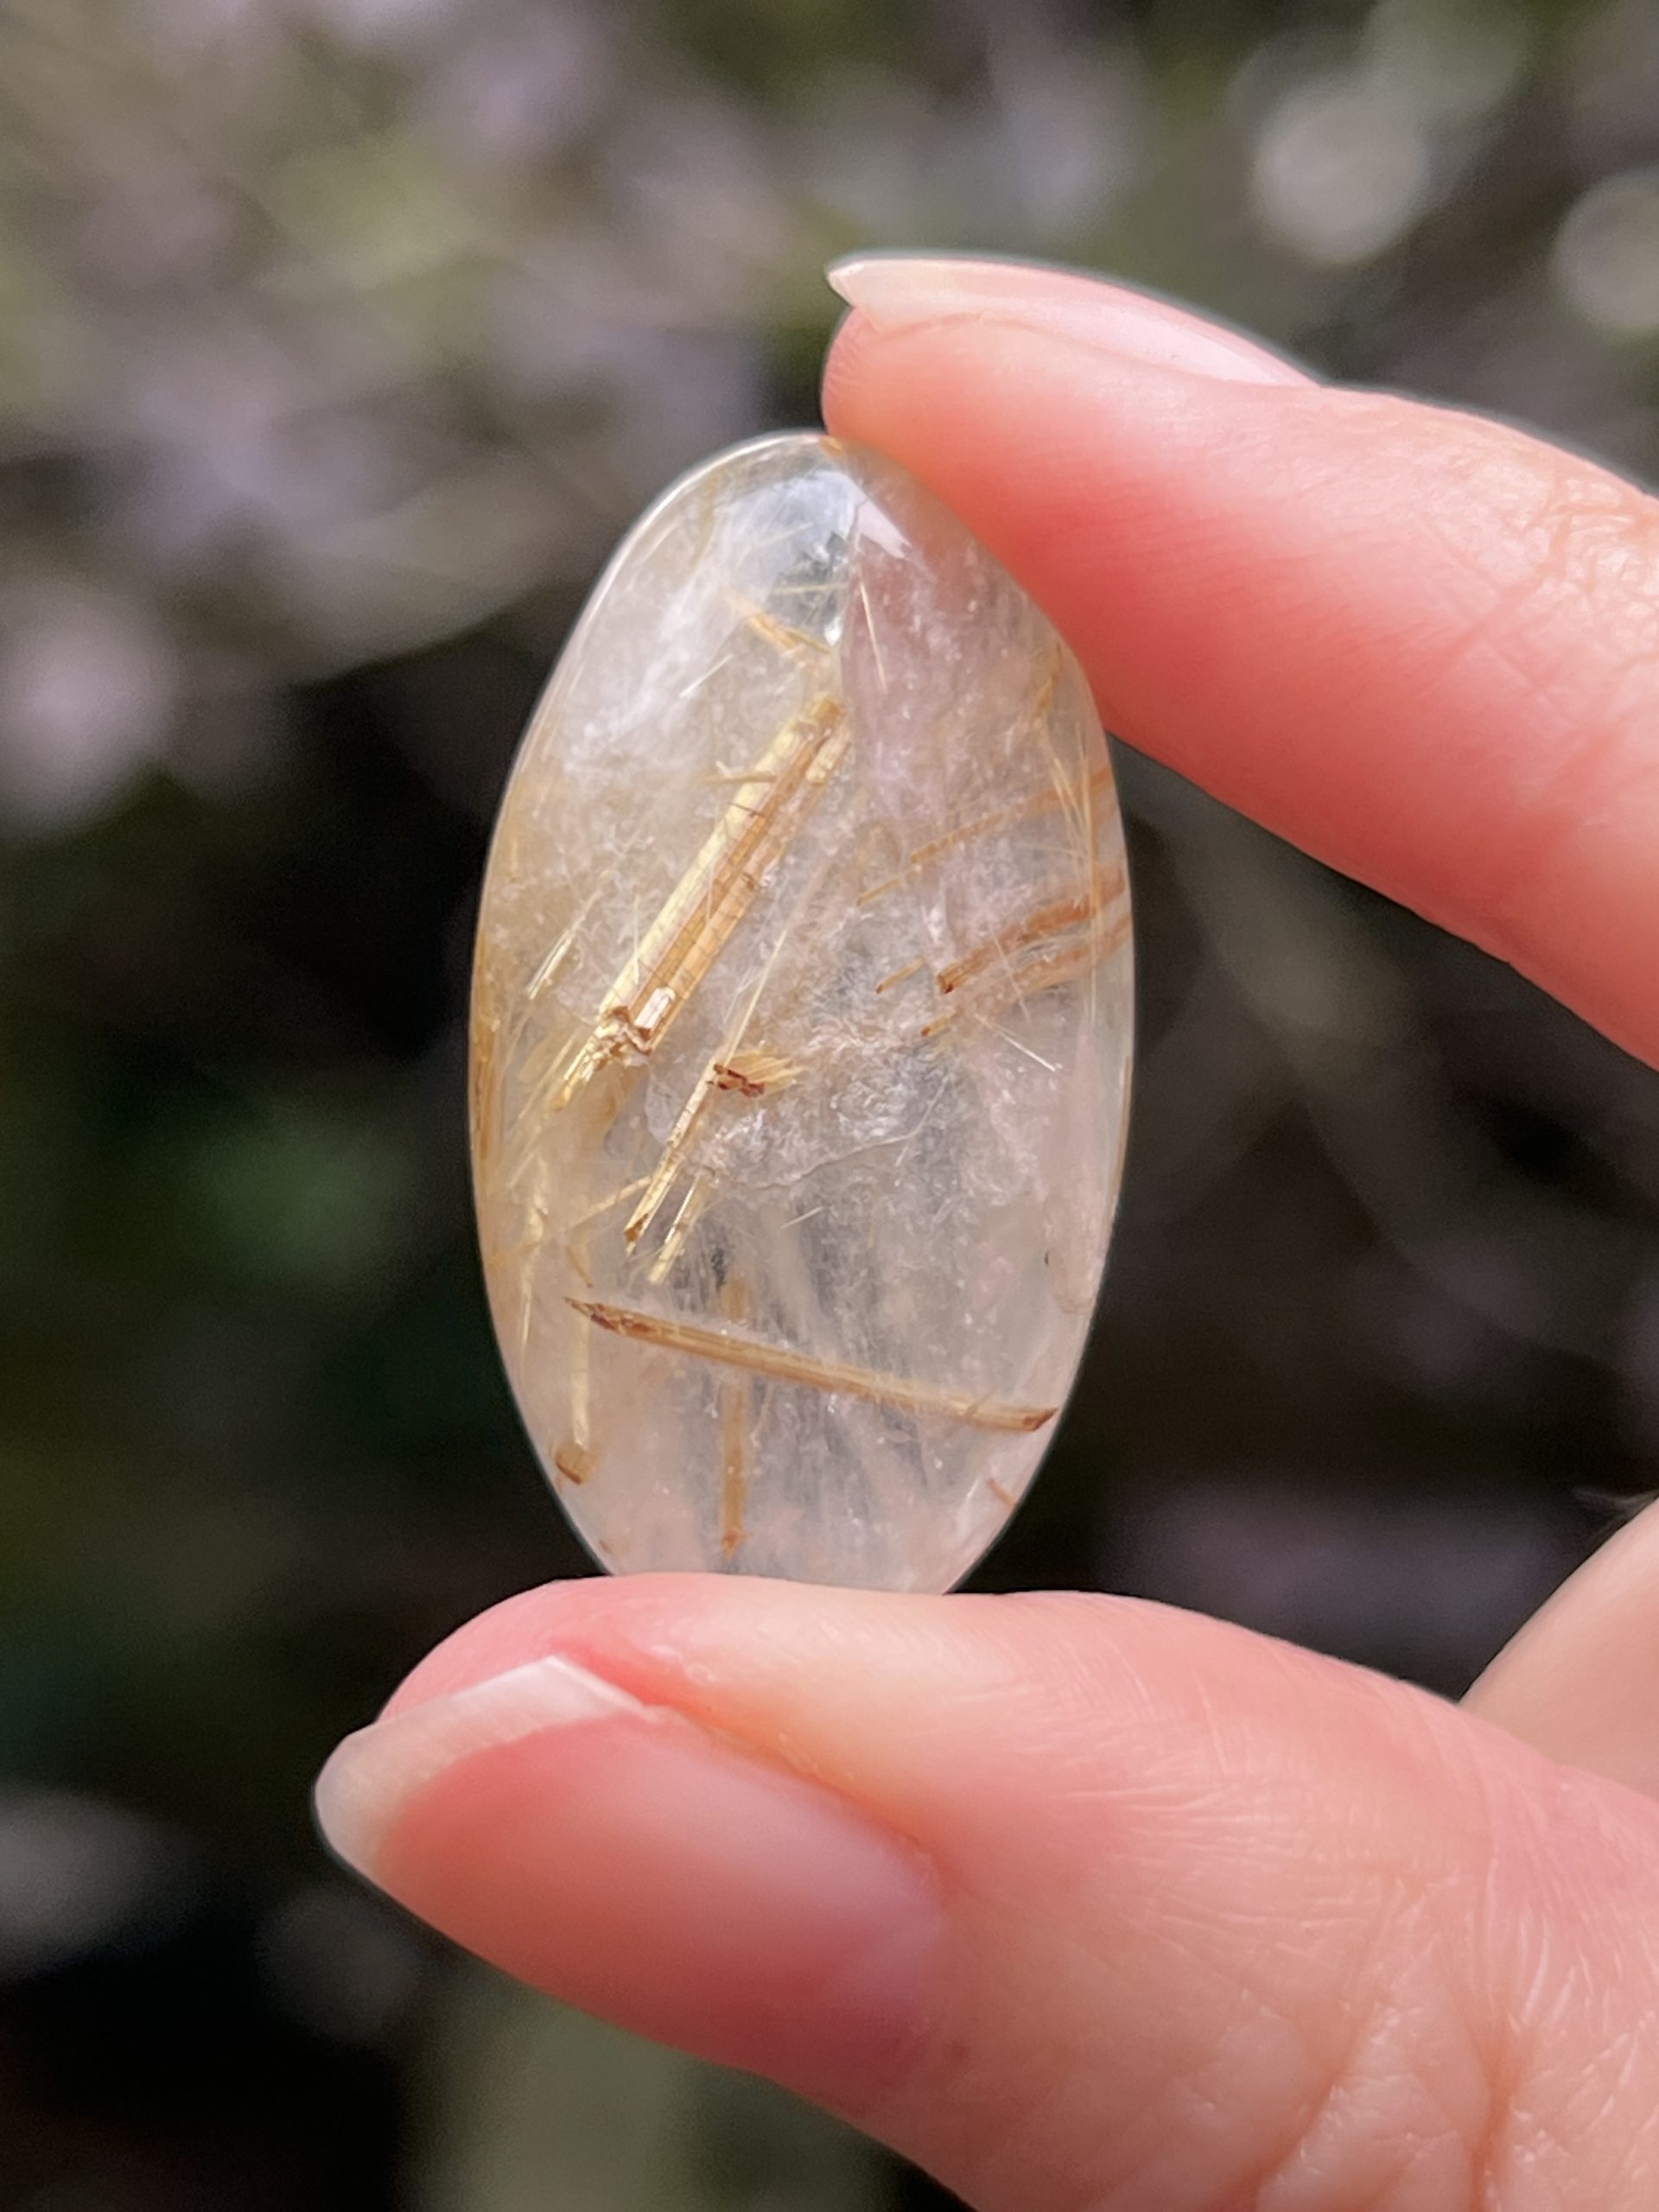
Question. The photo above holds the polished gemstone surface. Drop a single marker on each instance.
(801, 1033)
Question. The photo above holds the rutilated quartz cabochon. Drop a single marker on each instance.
(802, 1031)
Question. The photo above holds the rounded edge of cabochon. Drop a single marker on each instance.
(949, 1537)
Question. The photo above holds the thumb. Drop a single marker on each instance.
(1077, 1902)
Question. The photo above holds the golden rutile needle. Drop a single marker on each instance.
(797, 1086)
(731, 1348)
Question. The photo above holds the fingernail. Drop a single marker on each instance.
(621, 1857)
(900, 292)
(374, 1774)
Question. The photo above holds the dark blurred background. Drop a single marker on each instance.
(338, 340)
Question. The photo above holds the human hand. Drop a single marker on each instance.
(1079, 1902)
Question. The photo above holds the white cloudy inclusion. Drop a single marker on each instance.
(801, 1034)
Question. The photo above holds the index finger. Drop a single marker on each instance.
(1421, 644)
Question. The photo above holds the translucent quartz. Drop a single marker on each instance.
(801, 1033)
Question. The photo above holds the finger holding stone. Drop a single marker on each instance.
(1579, 1679)
(1421, 644)
(1074, 1901)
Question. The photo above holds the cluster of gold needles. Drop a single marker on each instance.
(671, 960)
(713, 895)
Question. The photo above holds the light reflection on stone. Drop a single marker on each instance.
(801, 1034)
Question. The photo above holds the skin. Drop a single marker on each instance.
(1085, 1904)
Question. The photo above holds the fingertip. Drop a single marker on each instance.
(923, 1858)
(613, 1852)
(1396, 634)
(594, 1612)
(842, 383)
(896, 294)
(1576, 1681)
